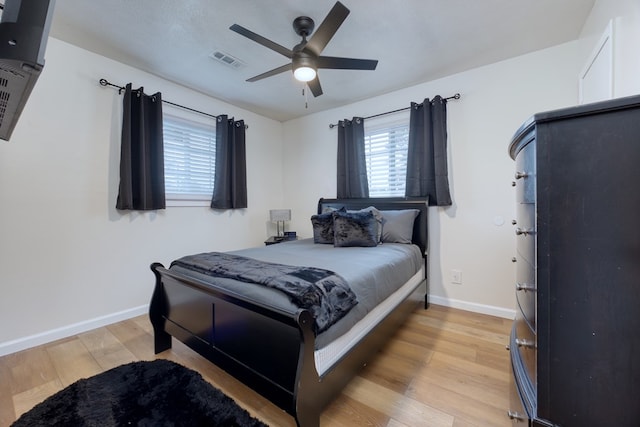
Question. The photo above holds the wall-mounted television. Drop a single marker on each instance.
(24, 30)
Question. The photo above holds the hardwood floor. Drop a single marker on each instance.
(444, 367)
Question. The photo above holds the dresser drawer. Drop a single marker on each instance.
(517, 411)
(525, 271)
(526, 245)
(527, 306)
(525, 174)
(525, 231)
(526, 216)
(526, 346)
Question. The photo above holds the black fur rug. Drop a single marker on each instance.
(156, 393)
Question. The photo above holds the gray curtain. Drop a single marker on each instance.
(352, 166)
(230, 185)
(427, 173)
(141, 152)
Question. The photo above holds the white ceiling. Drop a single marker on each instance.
(414, 40)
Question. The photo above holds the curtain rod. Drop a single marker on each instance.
(456, 96)
(104, 82)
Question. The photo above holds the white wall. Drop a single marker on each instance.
(67, 256)
(496, 99)
(625, 15)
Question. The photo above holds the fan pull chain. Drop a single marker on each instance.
(306, 99)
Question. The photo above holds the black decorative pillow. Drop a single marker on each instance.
(322, 228)
(354, 229)
(379, 219)
(397, 226)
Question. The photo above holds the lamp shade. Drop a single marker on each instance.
(304, 74)
(280, 215)
(304, 66)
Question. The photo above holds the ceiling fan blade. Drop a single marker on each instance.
(314, 86)
(320, 38)
(282, 69)
(261, 40)
(346, 63)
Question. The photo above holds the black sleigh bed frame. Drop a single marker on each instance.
(269, 350)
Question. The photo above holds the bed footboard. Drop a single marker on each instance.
(263, 348)
(272, 352)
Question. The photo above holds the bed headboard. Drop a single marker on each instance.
(420, 226)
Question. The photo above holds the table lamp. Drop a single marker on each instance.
(279, 216)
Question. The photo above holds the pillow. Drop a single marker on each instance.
(322, 228)
(397, 226)
(354, 229)
(378, 217)
(330, 209)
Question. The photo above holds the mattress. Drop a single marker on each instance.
(373, 273)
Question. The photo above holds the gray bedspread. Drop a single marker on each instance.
(324, 293)
(373, 273)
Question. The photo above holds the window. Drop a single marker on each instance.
(189, 160)
(386, 149)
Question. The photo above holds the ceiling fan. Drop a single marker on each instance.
(305, 56)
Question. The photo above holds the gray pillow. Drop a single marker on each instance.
(322, 228)
(354, 229)
(397, 226)
(330, 209)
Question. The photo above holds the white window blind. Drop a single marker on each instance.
(386, 149)
(189, 159)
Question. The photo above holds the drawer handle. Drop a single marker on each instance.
(521, 342)
(525, 287)
(515, 416)
(525, 232)
(520, 175)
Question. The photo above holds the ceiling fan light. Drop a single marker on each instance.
(304, 74)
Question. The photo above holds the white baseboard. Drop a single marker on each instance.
(24, 343)
(474, 307)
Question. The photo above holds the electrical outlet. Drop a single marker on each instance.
(456, 277)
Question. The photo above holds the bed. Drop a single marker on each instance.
(256, 333)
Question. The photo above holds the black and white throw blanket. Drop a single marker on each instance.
(324, 293)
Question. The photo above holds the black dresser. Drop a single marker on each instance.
(575, 343)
